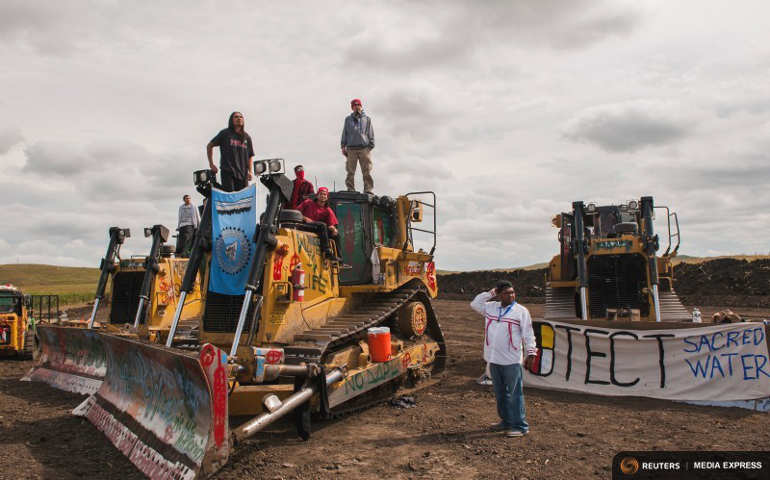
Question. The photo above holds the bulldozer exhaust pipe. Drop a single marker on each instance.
(255, 425)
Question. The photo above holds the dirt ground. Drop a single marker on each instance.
(444, 436)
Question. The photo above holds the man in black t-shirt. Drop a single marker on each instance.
(236, 154)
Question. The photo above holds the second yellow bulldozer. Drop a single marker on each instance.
(608, 266)
(143, 290)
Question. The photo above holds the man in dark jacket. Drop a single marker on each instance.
(236, 154)
(357, 144)
(302, 188)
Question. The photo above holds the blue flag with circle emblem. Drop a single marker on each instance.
(233, 223)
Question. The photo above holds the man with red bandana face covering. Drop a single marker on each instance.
(303, 189)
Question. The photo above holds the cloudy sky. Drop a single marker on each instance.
(509, 111)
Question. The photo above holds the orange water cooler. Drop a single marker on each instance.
(379, 343)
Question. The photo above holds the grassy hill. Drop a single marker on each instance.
(72, 284)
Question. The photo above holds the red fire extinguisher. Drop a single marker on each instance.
(298, 280)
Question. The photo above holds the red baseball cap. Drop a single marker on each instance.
(323, 189)
(355, 101)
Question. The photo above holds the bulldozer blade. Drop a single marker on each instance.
(164, 410)
(70, 359)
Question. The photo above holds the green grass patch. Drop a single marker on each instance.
(72, 284)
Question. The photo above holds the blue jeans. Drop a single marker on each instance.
(509, 393)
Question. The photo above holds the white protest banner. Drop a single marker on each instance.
(715, 363)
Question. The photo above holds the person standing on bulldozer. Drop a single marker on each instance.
(236, 154)
(188, 223)
(507, 326)
(357, 144)
(303, 189)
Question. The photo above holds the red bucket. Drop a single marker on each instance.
(379, 343)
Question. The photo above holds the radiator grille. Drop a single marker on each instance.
(221, 313)
(616, 282)
(125, 296)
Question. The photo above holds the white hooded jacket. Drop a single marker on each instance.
(505, 329)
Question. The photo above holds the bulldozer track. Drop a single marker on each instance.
(314, 344)
(311, 345)
(559, 303)
(369, 399)
(671, 308)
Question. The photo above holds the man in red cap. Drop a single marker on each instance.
(302, 189)
(318, 212)
(357, 144)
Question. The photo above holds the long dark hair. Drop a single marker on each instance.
(232, 127)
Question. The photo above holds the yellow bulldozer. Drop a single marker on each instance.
(608, 267)
(313, 333)
(18, 318)
(144, 290)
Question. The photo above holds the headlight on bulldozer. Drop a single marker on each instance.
(201, 177)
(633, 205)
(268, 165)
(275, 165)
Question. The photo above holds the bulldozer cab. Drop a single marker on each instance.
(364, 221)
(612, 221)
(10, 302)
(12, 321)
(16, 322)
(369, 224)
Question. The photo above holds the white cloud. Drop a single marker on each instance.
(9, 137)
(508, 110)
(630, 126)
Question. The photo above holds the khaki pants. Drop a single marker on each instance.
(364, 157)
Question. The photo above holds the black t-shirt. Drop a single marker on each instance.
(235, 151)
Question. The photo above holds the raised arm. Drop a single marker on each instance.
(480, 301)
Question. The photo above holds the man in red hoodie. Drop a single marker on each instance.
(318, 212)
(302, 189)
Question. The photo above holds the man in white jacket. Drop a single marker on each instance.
(507, 325)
